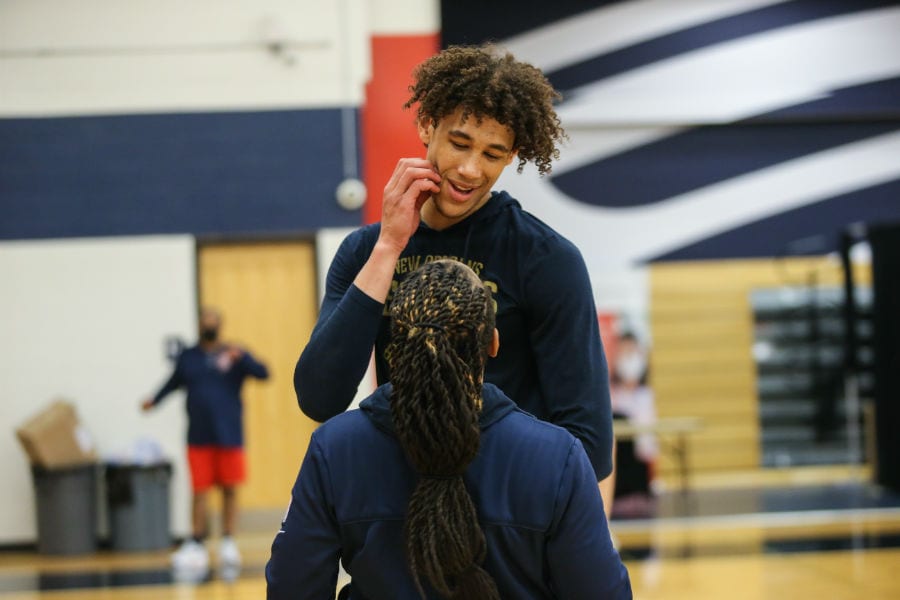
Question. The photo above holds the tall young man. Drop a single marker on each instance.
(478, 111)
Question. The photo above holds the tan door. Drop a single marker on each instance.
(267, 295)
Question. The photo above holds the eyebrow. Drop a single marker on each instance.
(466, 136)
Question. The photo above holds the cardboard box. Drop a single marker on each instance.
(55, 438)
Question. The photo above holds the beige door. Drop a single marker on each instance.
(267, 295)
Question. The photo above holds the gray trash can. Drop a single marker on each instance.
(138, 506)
(66, 509)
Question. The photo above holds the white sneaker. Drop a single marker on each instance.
(191, 556)
(228, 552)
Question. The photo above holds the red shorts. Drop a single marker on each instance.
(215, 465)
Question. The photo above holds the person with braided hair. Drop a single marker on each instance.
(478, 110)
(439, 486)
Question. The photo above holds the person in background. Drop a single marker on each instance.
(632, 400)
(478, 111)
(213, 373)
(439, 486)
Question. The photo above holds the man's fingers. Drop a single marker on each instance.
(402, 165)
(424, 188)
(409, 170)
(413, 182)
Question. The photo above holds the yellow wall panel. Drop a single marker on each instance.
(706, 329)
(702, 323)
(698, 380)
(720, 407)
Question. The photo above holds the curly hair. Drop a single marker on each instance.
(489, 83)
(442, 323)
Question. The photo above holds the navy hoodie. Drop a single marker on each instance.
(531, 482)
(551, 359)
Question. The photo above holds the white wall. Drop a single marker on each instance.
(86, 320)
(404, 17)
(105, 56)
(327, 243)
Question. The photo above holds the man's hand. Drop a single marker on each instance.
(147, 404)
(414, 181)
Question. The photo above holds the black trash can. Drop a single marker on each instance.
(138, 506)
(66, 501)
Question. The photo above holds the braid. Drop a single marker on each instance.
(442, 321)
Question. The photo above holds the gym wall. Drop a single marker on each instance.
(121, 122)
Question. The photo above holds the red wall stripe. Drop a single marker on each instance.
(388, 131)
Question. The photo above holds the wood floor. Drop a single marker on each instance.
(822, 541)
(870, 575)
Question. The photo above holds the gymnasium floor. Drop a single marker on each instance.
(791, 536)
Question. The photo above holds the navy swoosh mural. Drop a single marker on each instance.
(712, 130)
(781, 232)
(476, 21)
(702, 36)
(876, 100)
(704, 155)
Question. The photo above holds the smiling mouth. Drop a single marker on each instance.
(462, 190)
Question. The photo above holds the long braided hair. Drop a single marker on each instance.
(442, 323)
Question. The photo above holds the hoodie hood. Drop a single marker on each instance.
(377, 407)
(497, 204)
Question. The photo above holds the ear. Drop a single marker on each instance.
(426, 130)
(512, 156)
(494, 346)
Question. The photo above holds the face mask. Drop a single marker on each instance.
(209, 335)
(630, 367)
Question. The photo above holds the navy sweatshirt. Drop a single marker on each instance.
(214, 404)
(551, 360)
(532, 484)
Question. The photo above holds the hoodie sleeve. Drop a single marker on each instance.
(175, 381)
(565, 337)
(306, 551)
(337, 355)
(253, 367)
(581, 558)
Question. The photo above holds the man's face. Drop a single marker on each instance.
(209, 326)
(469, 156)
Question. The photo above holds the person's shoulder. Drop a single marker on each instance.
(342, 424)
(521, 424)
(528, 226)
(355, 249)
(535, 454)
(366, 232)
(190, 352)
(523, 418)
(342, 439)
(361, 238)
